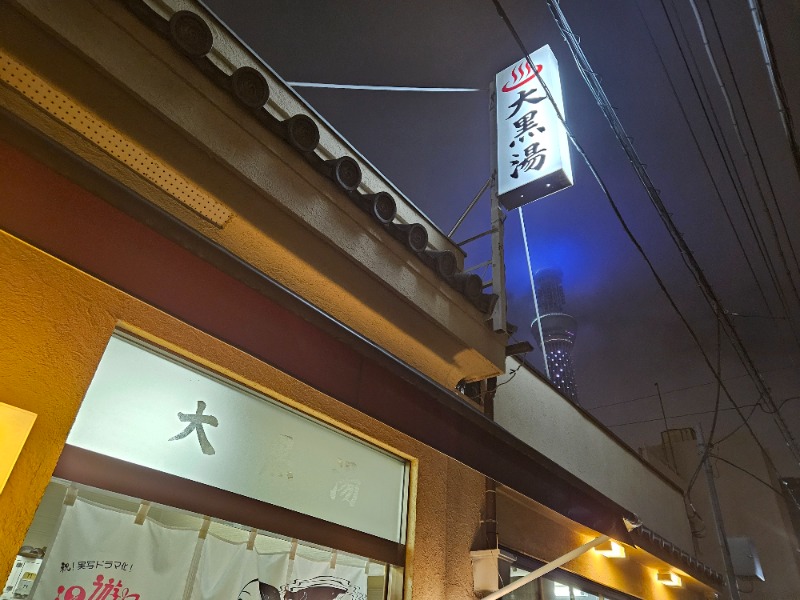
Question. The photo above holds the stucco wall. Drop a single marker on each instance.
(54, 324)
(549, 423)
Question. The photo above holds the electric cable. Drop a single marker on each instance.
(746, 472)
(618, 214)
(759, 17)
(727, 156)
(756, 405)
(683, 389)
(739, 426)
(730, 330)
(724, 149)
(683, 112)
(782, 404)
(710, 443)
(760, 156)
(692, 414)
(707, 167)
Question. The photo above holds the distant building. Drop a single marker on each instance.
(757, 520)
(558, 331)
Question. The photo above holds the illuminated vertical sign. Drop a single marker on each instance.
(532, 147)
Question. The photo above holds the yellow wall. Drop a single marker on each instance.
(54, 323)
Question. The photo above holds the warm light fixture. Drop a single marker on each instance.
(15, 425)
(668, 578)
(611, 549)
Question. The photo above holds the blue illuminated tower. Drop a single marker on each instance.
(558, 331)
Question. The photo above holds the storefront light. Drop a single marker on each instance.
(15, 425)
(611, 549)
(560, 590)
(668, 578)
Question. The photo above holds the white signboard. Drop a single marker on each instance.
(532, 146)
(149, 409)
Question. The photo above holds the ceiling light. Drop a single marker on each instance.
(668, 578)
(611, 549)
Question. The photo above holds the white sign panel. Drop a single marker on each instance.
(145, 408)
(532, 146)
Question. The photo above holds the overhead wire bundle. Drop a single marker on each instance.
(688, 257)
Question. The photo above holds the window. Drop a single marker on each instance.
(185, 484)
(89, 537)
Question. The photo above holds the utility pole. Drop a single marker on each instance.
(730, 576)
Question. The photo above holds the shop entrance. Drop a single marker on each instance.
(179, 483)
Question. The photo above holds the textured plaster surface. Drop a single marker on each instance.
(54, 324)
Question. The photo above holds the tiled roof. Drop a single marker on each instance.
(193, 37)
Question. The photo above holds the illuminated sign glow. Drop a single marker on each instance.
(15, 425)
(532, 146)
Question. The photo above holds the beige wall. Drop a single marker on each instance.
(54, 324)
(541, 417)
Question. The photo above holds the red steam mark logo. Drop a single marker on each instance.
(521, 75)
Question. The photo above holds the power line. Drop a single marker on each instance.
(608, 110)
(750, 129)
(756, 405)
(700, 153)
(682, 389)
(615, 209)
(710, 443)
(759, 18)
(727, 158)
(724, 149)
(746, 472)
(752, 408)
(594, 85)
(739, 426)
(770, 269)
(692, 414)
(377, 88)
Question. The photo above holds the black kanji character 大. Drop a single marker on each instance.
(524, 96)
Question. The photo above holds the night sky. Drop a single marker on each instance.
(435, 147)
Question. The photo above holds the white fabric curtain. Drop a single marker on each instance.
(102, 553)
(229, 571)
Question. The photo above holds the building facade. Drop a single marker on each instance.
(237, 336)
